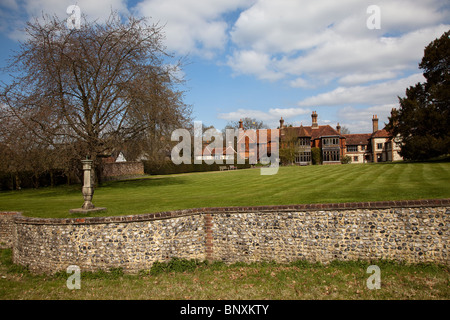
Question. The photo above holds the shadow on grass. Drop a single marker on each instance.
(441, 159)
(143, 182)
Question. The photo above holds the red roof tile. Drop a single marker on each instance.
(307, 131)
(383, 133)
(357, 139)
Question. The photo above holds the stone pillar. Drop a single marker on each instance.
(87, 190)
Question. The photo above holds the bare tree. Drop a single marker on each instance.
(345, 130)
(247, 123)
(101, 87)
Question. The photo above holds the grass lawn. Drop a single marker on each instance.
(217, 281)
(291, 185)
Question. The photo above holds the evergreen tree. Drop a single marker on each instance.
(423, 119)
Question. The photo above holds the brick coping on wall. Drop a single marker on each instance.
(19, 218)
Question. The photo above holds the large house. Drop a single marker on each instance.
(378, 146)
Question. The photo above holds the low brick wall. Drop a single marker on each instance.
(409, 231)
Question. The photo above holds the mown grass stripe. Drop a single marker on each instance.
(291, 185)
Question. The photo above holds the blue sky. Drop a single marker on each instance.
(268, 59)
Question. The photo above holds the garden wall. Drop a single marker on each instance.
(7, 227)
(409, 231)
(120, 169)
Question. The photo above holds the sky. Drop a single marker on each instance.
(267, 59)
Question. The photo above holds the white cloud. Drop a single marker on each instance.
(286, 25)
(359, 120)
(13, 21)
(359, 78)
(254, 63)
(272, 116)
(329, 39)
(192, 26)
(354, 114)
(380, 93)
(340, 56)
(100, 9)
(300, 83)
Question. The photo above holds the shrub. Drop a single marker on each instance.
(346, 159)
(168, 167)
(316, 156)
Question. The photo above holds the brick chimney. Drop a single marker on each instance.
(281, 123)
(375, 123)
(314, 120)
(241, 126)
(338, 128)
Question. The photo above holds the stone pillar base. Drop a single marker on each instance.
(86, 211)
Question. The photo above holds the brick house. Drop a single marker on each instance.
(327, 139)
(378, 146)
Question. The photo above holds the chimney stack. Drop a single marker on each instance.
(338, 128)
(375, 123)
(281, 123)
(314, 120)
(241, 126)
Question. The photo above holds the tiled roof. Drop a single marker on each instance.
(251, 134)
(215, 151)
(357, 139)
(307, 131)
(383, 133)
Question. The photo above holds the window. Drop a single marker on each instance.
(387, 145)
(379, 146)
(355, 158)
(352, 148)
(304, 141)
(363, 148)
(303, 157)
(332, 155)
(330, 141)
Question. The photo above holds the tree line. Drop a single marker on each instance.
(88, 92)
(108, 87)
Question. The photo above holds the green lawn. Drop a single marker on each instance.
(240, 281)
(291, 185)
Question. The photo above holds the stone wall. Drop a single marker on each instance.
(409, 231)
(132, 242)
(120, 169)
(404, 234)
(6, 229)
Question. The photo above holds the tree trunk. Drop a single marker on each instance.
(52, 182)
(17, 181)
